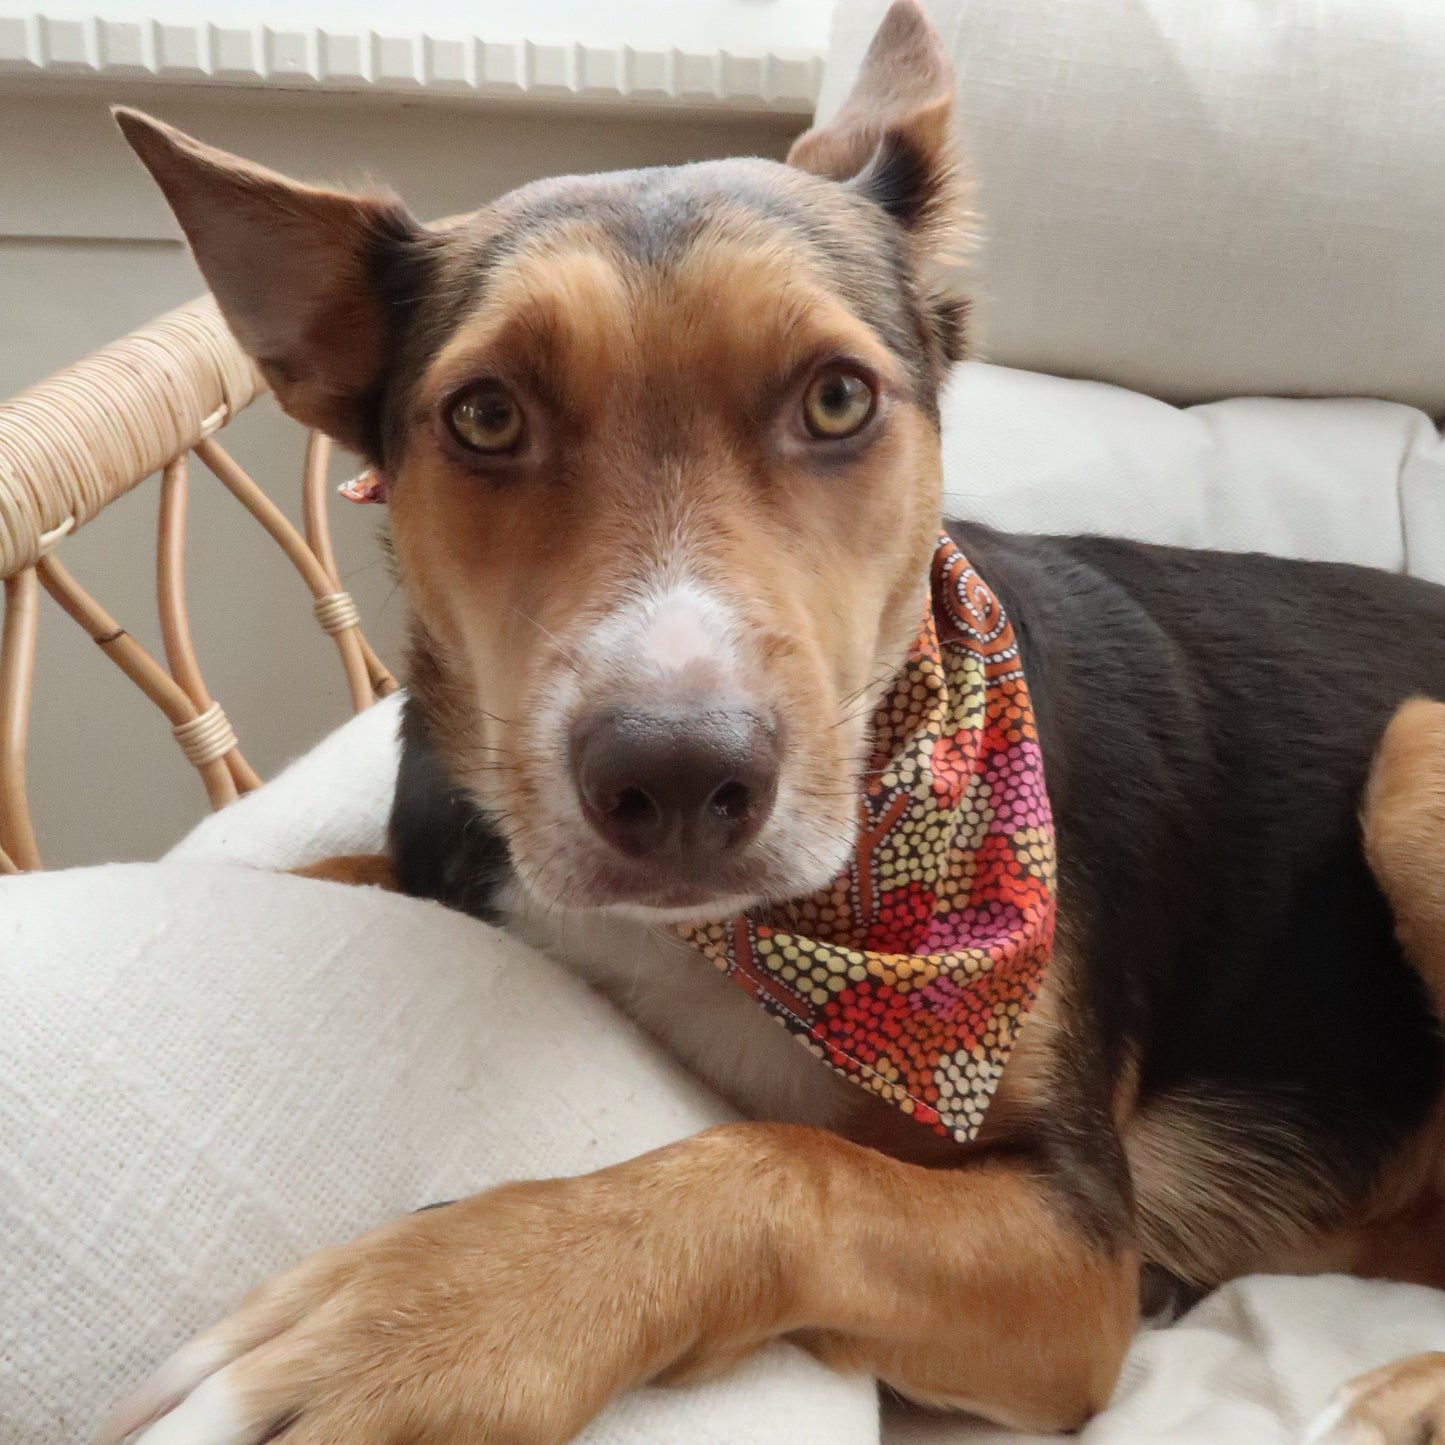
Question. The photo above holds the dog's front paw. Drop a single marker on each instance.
(487, 1320)
(1402, 1403)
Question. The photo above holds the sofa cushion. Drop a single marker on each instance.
(331, 801)
(1332, 480)
(1203, 200)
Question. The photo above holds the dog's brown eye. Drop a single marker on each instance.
(837, 403)
(485, 419)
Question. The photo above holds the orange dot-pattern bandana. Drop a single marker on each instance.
(912, 971)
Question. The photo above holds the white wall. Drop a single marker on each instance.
(87, 251)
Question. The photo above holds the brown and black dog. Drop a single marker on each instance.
(663, 446)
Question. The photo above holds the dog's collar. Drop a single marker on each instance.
(912, 971)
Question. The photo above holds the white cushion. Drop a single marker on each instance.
(207, 1072)
(334, 800)
(1340, 480)
(1251, 1365)
(1201, 200)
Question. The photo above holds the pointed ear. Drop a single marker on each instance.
(893, 142)
(892, 139)
(300, 272)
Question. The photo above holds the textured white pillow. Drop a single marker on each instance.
(207, 1072)
(1203, 198)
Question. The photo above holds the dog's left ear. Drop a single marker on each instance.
(893, 142)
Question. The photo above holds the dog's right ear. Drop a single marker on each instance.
(298, 272)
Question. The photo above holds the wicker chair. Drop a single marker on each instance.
(73, 444)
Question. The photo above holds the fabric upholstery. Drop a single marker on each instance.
(208, 1071)
(1203, 200)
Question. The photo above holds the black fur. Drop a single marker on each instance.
(901, 178)
(441, 844)
(1207, 722)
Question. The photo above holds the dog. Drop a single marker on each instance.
(661, 451)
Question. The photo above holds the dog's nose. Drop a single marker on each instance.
(681, 786)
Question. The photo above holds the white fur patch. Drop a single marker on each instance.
(671, 624)
(705, 1020)
(1332, 1427)
(174, 1380)
(209, 1415)
(679, 634)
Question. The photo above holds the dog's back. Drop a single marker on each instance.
(1209, 721)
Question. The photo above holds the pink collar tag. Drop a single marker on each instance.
(369, 486)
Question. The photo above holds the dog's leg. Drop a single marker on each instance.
(1402, 1403)
(1404, 832)
(514, 1316)
(373, 870)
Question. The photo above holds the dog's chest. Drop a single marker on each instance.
(697, 1013)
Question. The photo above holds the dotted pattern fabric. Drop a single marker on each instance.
(912, 971)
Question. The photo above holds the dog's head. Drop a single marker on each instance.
(662, 455)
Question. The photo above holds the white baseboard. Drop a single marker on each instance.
(75, 46)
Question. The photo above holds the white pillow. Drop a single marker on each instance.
(333, 800)
(207, 1072)
(1341, 480)
(1203, 198)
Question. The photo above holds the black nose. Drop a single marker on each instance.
(684, 786)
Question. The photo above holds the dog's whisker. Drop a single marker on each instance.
(568, 652)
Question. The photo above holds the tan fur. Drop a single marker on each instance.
(372, 870)
(1402, 1403)
(1404, 831)
(1220, 1191)
(516, 1315)
(1400, 1232)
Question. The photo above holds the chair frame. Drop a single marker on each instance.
(71, 445)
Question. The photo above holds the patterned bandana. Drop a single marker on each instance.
(912, 971)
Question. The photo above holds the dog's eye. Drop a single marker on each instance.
(837, 403)
(485, 419)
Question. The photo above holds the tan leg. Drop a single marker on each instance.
(514, 1316)
(1404, 830)
(1402, 1403)
(1403, 821)
(373, 870)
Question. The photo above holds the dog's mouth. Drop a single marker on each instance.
(583, 871)
(671, 900)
